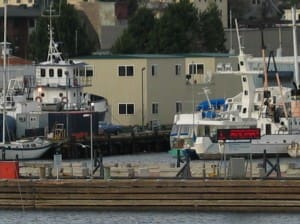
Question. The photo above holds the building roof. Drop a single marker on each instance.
(154, 56)
(13, 60)
(21, 11)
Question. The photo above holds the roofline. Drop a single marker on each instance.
(154, 56)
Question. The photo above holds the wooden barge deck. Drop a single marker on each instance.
(183, 194)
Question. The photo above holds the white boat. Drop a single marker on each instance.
(257, 120)
(34, 104)
(22, 149)
(25, 149)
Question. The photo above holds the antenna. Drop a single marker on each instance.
(53, 53)
(4, 73)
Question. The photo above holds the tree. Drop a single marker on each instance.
(39, 41)
(137, 36)
(178, 28)
(212, 30)
(65, 27)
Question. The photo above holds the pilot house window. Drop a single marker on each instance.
(59, 72)
(51, 72)
(43, 72)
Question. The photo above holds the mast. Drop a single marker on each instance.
(296, 75)
(4, 73)
(53, 52)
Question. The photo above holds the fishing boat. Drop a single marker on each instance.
(255, 121)
(21, 149)
(35, 105)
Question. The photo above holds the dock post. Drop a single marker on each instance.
(3, 153)
(250, 166)
(275, 167)
(185, 171)
(178, 158)
(98, 164)
(203, 170)
(264, 161)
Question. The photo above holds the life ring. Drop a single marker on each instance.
(39, 99)
(64, 99)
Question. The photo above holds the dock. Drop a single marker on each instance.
(151, 186)
(154, 194)
(109, 144)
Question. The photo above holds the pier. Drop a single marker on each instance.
(207, 186)
(142, 194)
(109, 144)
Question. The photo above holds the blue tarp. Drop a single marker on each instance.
(215, 103)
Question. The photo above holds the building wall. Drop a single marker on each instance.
(288, 14)
(165, 88)
(273, 39)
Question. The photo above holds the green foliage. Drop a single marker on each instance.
(180, 30)
(65, 28)
(38, 41)
(294, 2)
(136, 36)
(132, 7)
(212, 30)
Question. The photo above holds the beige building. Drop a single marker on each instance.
(150, 89)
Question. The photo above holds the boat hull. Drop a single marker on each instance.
(22, 150)
(271, 144)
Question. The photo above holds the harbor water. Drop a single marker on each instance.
(130, 217)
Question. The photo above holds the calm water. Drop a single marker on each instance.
(70, 217)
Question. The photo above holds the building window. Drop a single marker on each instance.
(196, 69)
(177, 69)
(126, 108)
(178, 107)
(125, 70)
(154, 108)
(43, 72)
(154, 69)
